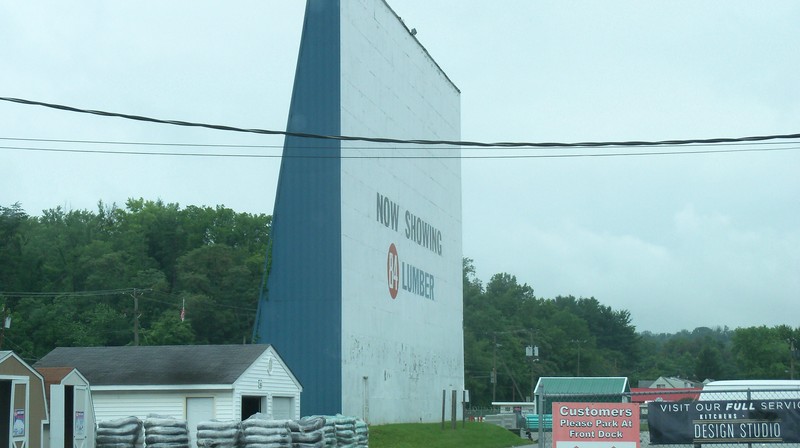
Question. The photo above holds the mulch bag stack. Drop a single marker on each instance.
(165, 432)
(261, 432)
(329, 433)
(308, 432)
(345, 431)
(362, 433)
(219, 434)
(120, 433)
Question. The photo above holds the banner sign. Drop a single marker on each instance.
(19, 423)
(741, 421)
(595, 425)
(80, 424)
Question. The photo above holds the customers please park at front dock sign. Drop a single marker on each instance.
(595, 425)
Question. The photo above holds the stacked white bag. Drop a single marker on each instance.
(165, 432)
(261, 432)
(362, 434)
(120, 433)
(307, 432)
(329, 433)
(345, 431)
(219, 434)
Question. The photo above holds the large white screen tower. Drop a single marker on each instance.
(363, 298)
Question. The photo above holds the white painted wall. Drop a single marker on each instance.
(268, 370)
(267, 377)
(397, 354)
(111, 404)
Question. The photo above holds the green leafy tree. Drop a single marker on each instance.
(709, 363)
(220, 289)
(211, 256)
(168, 329)
(761, 353)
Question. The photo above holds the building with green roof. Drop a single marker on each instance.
(581, 390)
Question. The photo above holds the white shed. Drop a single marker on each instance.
(71, 412)
(23, 408)
(191, 382)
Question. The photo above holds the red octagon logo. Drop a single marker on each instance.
(393, 271)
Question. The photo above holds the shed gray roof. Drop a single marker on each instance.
(157, 365)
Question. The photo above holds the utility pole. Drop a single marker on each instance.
(135, 317)
(532, 352)
(578, 342)
(494, 368)
(792, 350)
(533, 360)
(5, 324)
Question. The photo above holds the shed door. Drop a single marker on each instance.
(56, 415)
(198, 409)
(20, 428)
(283, 408)
(5, 412)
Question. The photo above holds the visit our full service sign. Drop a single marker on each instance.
(741, 421)
(595, 425)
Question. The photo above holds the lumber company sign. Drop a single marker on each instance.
(401, 275)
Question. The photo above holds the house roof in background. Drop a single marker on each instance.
(53, 375)
(645, 394)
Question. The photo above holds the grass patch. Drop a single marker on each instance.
(431, 435)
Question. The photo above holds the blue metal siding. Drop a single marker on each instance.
(300, 312)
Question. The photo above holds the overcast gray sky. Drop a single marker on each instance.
(680, 241)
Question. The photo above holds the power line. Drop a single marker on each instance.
(210, 304)
(105, 292)
(404, 156)
(234, 145)
(751, 139)
(109, 292)
(116, 142)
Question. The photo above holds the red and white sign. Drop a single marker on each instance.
(595, 425)
(393, 271)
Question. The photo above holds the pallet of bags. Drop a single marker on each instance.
(308, 432)
(219, 434)
(119, 433)
(259, 431)
(165, 432)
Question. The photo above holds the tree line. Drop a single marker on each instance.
(81, 278)
(121, 275)
(582, 337)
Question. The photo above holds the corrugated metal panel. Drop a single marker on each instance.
(582, 385)
(581, 390)
(300, 311)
